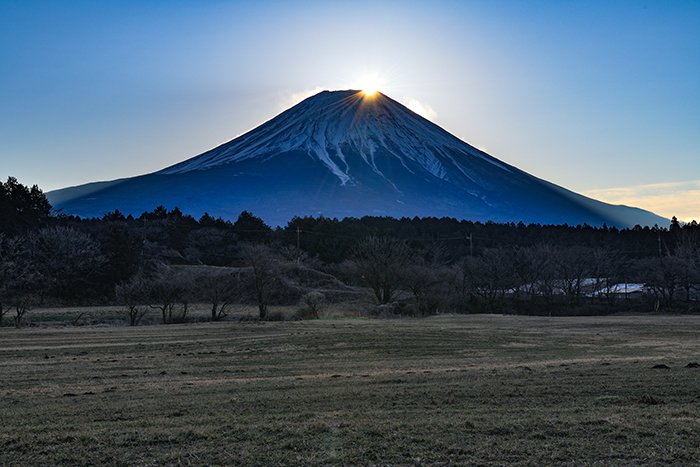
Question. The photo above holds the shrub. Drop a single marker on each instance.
(312, 304)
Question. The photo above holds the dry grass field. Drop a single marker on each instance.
(481, 389)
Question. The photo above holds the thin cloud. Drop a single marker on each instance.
(296, 97)
(680, 199)
(424, 110)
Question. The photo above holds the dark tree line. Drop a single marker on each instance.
(436, 264)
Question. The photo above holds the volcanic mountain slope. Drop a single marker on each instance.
(344, 153)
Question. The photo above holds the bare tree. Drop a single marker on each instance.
(220, 289)
(380, 262)
(532, 268)
(20, 282)
(264, 268)
(463, 285)
(428, 282)
(164, 291)
(664, 276)
(133, 293)
(687, 251)
(22, 306)
(187, 279)
(491, 275)
(572, 266)
(606, 266)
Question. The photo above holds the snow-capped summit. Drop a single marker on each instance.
(345, 153)
(325, 125)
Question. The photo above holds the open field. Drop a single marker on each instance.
(483, 389)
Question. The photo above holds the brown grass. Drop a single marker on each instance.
(481, 389)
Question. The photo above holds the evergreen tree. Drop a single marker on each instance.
(251, 228)
(21, 207)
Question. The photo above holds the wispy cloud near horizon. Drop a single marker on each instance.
(680, 199)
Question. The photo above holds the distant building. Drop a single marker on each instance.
(623, 290)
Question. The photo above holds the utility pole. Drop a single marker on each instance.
(471, 244)
(298, 238)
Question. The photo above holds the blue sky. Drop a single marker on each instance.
(600, 97)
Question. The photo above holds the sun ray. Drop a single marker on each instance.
(370, 84)
(369, 92)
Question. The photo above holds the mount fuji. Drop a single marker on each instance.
(345, 153)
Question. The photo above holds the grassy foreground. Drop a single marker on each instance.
(449, 389)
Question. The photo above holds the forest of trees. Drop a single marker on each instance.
(164, 260)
